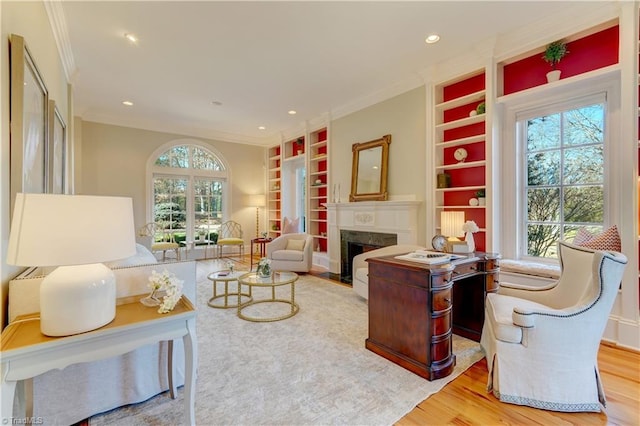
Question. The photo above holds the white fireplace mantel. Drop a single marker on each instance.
(393, 217)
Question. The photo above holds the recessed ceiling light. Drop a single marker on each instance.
(131, 37)
(261, 128)
(433, 38)
(127, 103)
(292, 112)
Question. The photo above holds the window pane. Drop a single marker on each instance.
(584, 165)
(584, 204)
(204, 160)
(543, 168)
(543, 205)
(543, 132)
(170, 202)
(541, 240)
(180, 156)
(584, 125)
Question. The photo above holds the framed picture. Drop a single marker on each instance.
(57, 147)
(28, 117)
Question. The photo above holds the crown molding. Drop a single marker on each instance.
(61, 35)
(377, 97)
(182, 130)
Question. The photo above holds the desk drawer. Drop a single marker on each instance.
(464, 270)
(441, 300)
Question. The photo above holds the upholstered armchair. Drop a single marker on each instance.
(291, 252)
(360, 267)
(542, 344)
(230, 234)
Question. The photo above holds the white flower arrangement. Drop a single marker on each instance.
(170, 284)
(264, 267)
(470, 226)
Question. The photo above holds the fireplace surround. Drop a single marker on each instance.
(353, 243)
(398, 218)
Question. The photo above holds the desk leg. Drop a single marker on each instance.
(172, 386)
(190, 341)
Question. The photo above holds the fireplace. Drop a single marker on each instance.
(353, 243)
(397, 219)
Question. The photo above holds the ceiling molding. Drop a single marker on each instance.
(180, 130)
(61, 35)
(377, 97)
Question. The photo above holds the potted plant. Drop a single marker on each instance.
(482, 201)
(553, 55)
(300, 145)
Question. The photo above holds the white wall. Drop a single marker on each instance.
(29, 20)
(404, 118)
(113, 162)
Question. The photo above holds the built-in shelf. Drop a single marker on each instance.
(462, 165)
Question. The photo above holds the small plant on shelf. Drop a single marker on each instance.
(481, 108)
(555, 52)
(480, 193)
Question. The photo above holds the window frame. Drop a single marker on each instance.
(190, 174)
(512, 156)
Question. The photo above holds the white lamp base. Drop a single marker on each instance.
(75, 299)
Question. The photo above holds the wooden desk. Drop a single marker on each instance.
(26, 352)
(414, 308)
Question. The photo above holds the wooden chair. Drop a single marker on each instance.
(230, 234)
(161, 239)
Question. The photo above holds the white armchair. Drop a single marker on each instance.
(542, 344)
(291, 252)
(360, 267)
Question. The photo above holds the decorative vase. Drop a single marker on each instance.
(482, 201)
(264, 271)
(553, 76)
(473, 202)
(153, 299)
(471, 244)
(473, 113)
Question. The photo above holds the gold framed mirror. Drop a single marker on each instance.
(369, 170)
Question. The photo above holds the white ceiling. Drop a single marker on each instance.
(262, 59)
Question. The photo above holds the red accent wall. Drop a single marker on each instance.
(462, 88)
(589, 53)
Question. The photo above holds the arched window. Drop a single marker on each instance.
(187, 190)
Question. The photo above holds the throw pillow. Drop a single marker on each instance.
(582, 236)
(290, 226)
(607, 240)
(295, 245)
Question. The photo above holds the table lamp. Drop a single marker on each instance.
(451, 227)
(257, 200)
(75, 233)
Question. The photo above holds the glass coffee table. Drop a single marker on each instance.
(277, 279)
(226, 277)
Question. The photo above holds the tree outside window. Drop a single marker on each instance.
(564, 176)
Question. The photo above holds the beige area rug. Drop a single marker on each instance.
(311, 369)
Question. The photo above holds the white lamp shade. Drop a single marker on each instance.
(451, 223)
(54, 229)
(256, 200)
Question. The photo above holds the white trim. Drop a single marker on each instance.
(60, 32)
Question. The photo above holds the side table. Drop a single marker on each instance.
(226, 277)
(262, 246)
(26, 352)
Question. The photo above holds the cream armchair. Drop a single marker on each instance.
(360, 267)
(291, 252)
(542, 344)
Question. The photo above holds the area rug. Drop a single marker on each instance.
(311, 369)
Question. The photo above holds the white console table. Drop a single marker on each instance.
(26, 352)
